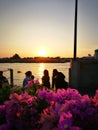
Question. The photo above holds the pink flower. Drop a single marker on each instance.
(65, 121)
(30, 83)
(36, 81)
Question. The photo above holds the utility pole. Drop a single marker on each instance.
(75, 30)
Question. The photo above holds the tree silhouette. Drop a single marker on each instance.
(15, 56)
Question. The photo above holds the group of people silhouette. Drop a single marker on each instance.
(58, 79)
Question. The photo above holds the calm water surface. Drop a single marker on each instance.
(36, 68)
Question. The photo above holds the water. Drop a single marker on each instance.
(36, 68)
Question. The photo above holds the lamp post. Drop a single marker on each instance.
(75, 30)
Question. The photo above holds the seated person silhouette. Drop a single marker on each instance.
(58, 80)
(46, 79)
(3, 79)
(27, 79)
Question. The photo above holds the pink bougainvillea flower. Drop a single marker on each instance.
(30, 83)
(41, 93)
(65, 121)
(48, 119)
(95, 99)
(36, 81)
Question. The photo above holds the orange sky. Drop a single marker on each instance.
(28, 27)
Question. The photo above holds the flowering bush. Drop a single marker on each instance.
(7, 89)
(49, 110)
(4, 92)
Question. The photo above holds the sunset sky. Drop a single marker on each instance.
(46, 27)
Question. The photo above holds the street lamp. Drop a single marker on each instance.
(75, 30)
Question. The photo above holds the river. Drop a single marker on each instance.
(37, 69)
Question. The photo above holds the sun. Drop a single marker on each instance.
(42, 53)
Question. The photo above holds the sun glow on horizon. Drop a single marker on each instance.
(42, 53)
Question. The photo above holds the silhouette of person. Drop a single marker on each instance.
(58, 80)
(27, 79)
(32, 77)
(46, 79)
(3, 79)
(54, 76)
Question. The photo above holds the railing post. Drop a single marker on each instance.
(11, 77)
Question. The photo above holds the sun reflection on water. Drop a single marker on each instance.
(41, 69)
